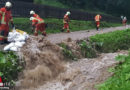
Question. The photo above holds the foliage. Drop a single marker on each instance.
(115, 7)
(111, 42)
(55, 25)
(50, 3)
(87, 50)
(67, 52)
(121, 78)
(9, 66)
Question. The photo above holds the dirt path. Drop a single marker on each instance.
(84, 74)
(78, 35)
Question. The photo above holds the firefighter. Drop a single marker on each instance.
(97, 21)
(124, 21)
(66, 21)
(33, 14)
(38, 24)
(5, 18)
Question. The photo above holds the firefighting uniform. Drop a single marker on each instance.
(39, 24)
(66, 22)
(124, 21)
(5, 17)
(1, 83)
(97, 20)
(36, 16)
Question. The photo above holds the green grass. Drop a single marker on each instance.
(121, 78)
(55, 25)
(51, 3)
(111, 42)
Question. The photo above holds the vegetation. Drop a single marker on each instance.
(55, 25)
(121, 78)
(87, 50)
(51, 3)
(67, 52)
(9, 66)
(111, 42)
(116, 7)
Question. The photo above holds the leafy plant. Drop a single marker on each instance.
(9, 66)
(87, 50)
(67, 52)
(121, 78)
(111, 42)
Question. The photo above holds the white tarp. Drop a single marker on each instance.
(17, 40)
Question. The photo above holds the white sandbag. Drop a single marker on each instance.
(14, 48)
(10, 34)
(6, 48)
(17, 39)
(20, 38)
(22, 43)
(26, 35)
(19, 44)
(10, 39)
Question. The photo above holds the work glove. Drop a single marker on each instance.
(13, 26)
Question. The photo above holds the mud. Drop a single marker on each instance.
(84, 74)
(46, 69)
(44, 61)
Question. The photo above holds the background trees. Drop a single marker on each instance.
(114, 7)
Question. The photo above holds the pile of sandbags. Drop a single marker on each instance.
(17, 39)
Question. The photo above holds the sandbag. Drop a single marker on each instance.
(7, 48)
(17, 39)
(19, 44)
(14, 48)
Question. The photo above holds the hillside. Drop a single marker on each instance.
(116, 7)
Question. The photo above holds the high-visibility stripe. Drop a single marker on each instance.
(2, 36)
(39, 21)
(3, 19)
(1, 12)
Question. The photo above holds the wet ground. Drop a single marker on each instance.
(84, 74)
(80, 75)
(79, 35)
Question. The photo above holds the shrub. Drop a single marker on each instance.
(87, 50)
(111, 42)
(67, 52)
(121, 78)
(9, 66)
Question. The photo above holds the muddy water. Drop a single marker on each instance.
(84, 74)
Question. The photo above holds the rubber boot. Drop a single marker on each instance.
(62, 30)
(44, 34)
(68, 31)
(1, 42)
(97, 28)
(35, 34)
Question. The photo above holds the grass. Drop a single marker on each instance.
(51, 3)
(111, 42)
(55, 25)
(121, 78)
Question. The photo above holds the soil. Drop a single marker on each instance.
(84, 74)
